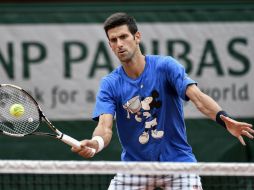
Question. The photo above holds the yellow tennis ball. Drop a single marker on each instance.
(17, 110)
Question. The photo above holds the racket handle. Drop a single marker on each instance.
(73, 142)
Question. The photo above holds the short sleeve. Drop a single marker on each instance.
(105, 103)
(178, 78)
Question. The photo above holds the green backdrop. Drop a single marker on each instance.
(210, 142)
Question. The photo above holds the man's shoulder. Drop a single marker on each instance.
(160, 62)
(160, 59)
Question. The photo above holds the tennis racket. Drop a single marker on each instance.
(27, 121)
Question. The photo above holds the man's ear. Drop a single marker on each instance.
(138, 37)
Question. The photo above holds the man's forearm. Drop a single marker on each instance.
(104, 128)
(103, 132)
(203, 102)
(209, 107)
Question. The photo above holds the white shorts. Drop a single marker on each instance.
(165, 182)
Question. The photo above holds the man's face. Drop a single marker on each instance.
(123, 43)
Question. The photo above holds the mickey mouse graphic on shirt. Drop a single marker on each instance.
(145, 110)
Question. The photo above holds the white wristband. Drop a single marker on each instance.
(100, 141)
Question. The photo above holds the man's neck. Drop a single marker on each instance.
(135, 68)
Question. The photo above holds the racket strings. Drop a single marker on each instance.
(23, 124)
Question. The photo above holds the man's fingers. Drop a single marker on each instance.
(78, 149)
(249, 130)
(75, 149)
(247, 134)
(241, 140)
(246, 124)
(90, 152)
(86, 152)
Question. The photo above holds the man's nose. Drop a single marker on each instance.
(119, 43)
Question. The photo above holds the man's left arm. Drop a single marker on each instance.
(211, 109)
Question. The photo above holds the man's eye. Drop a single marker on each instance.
(123, 37)
(113, 40)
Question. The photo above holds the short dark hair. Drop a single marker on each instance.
(119, 19)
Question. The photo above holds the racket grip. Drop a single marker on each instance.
(73, 142)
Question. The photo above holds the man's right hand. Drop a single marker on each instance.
(86, 148)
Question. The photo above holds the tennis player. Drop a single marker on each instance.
(145, 94)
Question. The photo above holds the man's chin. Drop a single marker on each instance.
(123, 58)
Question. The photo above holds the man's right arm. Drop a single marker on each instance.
(103, 132)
